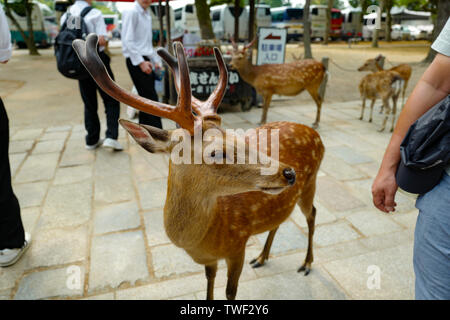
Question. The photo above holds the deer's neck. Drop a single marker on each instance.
(248, 72)
(189, 208)
(378, 66)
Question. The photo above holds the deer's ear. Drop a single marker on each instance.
(152, 139)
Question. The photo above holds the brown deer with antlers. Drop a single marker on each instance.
(287, 79)
(211, 210)
(404, 70)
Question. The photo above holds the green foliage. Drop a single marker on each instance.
(338, 4)
(102, 7)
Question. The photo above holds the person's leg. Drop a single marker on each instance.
(112, 106)
(12, 234)
(432, 243)
(88, 91)
(145, 86)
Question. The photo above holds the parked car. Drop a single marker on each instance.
(417, 33)
(400, 32)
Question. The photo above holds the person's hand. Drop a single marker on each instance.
(4, 62)
(102, 41)
(383, 190)
(146, 67)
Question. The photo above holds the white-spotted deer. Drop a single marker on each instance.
(404, 70)
(287, 79)
(211, 210)
(384, 85)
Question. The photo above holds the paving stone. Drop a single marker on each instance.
(38, 167)
(56, 285)
(5, 294)
(106, 296)
(67, 175)
(20, 146)
(15, 160)
(407, 220)
(335, 196)
(144, 171)
(154, 227)
(58, 135)
(116, 217)
(184, 297)
(330, 234)
(339, 169)
(110, 163)
(58, 247)
(323, 216)
(396, 273)
(230, 118)
(30, 194)
(370, 222)
(168, 124)
(290, 285)
(349, 155)
(26, 134)
(58, 129)
(10, 275)
(164, 289)
(76, 157)
(388, 240)
(48, 146)
(169, 260)
(110, 189)
(152, 193)
(339, 251)
(288, 238)
(67, 206)
(281, 264)
(123, 253)
(29, 218)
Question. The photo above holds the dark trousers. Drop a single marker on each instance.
(145, 86)
(88, 90)
(12, 234)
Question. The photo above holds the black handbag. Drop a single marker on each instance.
(425, 150)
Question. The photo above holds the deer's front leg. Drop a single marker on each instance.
(362, 108)
(371, 110)
(210, 271)
(258, 262)
(266, 105)
(234, 265)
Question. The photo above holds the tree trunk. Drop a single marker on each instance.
(204, 20)
(32, 50)
(161, 24)
(375, 30)
(388, 5)
(307, 30)
(30, 44)
(328, 24)
(443, 7)
(237, 6)
(251, 20)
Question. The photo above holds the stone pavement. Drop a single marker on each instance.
(97, 223)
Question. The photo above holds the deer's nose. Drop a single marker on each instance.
(289, 174)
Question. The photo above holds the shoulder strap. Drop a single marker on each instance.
(85, 11)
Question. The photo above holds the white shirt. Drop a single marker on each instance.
(137, 35)
(5, 38)
(94, 19)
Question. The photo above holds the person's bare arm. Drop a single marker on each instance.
(433, 86)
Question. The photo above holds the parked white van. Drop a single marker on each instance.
(262, 15)
(222, 18)
(351, 23)
(185, 16)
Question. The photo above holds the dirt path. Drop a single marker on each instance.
(35, 94)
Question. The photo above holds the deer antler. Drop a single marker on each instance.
(234, 44)
(250, 44)
(201, 107)
(181, 114)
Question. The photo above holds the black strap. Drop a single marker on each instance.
(85, 11)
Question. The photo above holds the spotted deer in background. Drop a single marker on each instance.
(287, 79)
(211, 210)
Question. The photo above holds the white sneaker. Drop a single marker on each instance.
(10, 256)
(113, 144)
(95, 145)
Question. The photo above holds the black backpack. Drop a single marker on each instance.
(67, 61)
